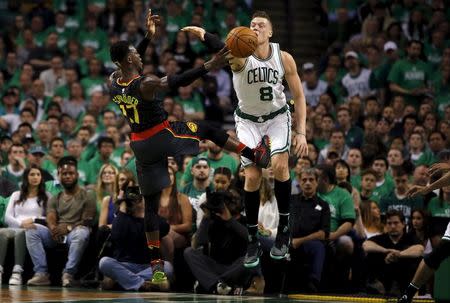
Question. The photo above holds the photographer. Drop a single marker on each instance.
(130, 265)
(217, 254)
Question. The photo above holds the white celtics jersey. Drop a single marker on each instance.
(359, 85)
(259, 84)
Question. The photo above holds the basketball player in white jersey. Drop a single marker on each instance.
(262, 110)
(433, 260)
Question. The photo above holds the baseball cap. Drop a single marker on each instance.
(308, 66)
(351, 54)
(201, 160)
(37, 149)
(390, 45)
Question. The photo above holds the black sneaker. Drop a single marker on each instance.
(262, 152)
(280, 249)
(404, 299)
(254, 251)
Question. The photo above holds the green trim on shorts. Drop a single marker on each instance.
(286, 147)
(262, 118)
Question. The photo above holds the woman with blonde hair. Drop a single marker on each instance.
(371, 219)
(106, 183)
(268, 211)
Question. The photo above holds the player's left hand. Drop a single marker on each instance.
(300, 145)
(152, 22)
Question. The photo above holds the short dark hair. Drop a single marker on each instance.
(67, 160)
(262, 14)
(399, 171)
(119, 51)
(58, 139)
(329, 172)
(223, 171)
(381, 157)
(395, 213)
(102, 140)
(369, 171)
(443, 136)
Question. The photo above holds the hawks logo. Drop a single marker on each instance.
(192, 126)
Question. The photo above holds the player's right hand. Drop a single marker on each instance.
(416, 190)
(196, 30)
(438, 168)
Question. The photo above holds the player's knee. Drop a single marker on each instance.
(280, 164)
(252, 178)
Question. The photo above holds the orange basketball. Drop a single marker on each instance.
(241, 41)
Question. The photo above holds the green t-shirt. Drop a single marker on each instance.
(433, 54)
(94, 166)
(3, 204)
(405, 205)
(427, 158)
(117, 153)
(341, 206)
(96, 39)
(51, 168)
(91, 83)
(53, 187)
(410, 75)
(226, 161)
(385, 189)
(174, 24)
(438, 208)
(191, 105)
(63, 91)
(64, 35)
(131, 165)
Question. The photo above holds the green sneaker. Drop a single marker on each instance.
(159, 276)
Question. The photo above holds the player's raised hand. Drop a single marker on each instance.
(300, 145)
(438, 168)
(196, 30)
(218, 60)
(416, 190)
(152, 22)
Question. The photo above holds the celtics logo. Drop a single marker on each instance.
(192, 126)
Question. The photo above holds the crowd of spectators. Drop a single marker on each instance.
(378, 106)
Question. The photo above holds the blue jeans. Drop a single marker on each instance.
(40, 238)
(129, 275)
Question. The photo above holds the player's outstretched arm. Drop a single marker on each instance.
(296, 88)
(213, 43)
(152, 83)
(152, 22)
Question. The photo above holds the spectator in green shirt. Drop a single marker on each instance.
(191, 102)
(385, 184)
(56, 152)
(105, 148)
(353, 134)
(368, 184)
(397, 198)
(409, 76)
(216, 158)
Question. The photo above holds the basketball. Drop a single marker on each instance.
(241, 41)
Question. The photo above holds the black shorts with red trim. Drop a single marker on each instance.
(151, 150)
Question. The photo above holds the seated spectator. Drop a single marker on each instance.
(385, 184)
(69, 216)
(216, 257)
(397, 199)
(393, 256)
(25, 208)
(342, 171)
(130, 265)
(221, 182)
(16, 167)
(105, 147)
(337, 144)
(368, 185)
(342, 219)
(310, 226)
(176, 209)
(268, 216)
(420, 227)
(371, 219)
(106, 185)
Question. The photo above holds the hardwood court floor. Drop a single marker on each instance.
(81, 295)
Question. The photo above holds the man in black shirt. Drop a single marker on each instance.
(392, 256)
(130, 264)
(216, 257)
(153, 137)
(310, 226)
